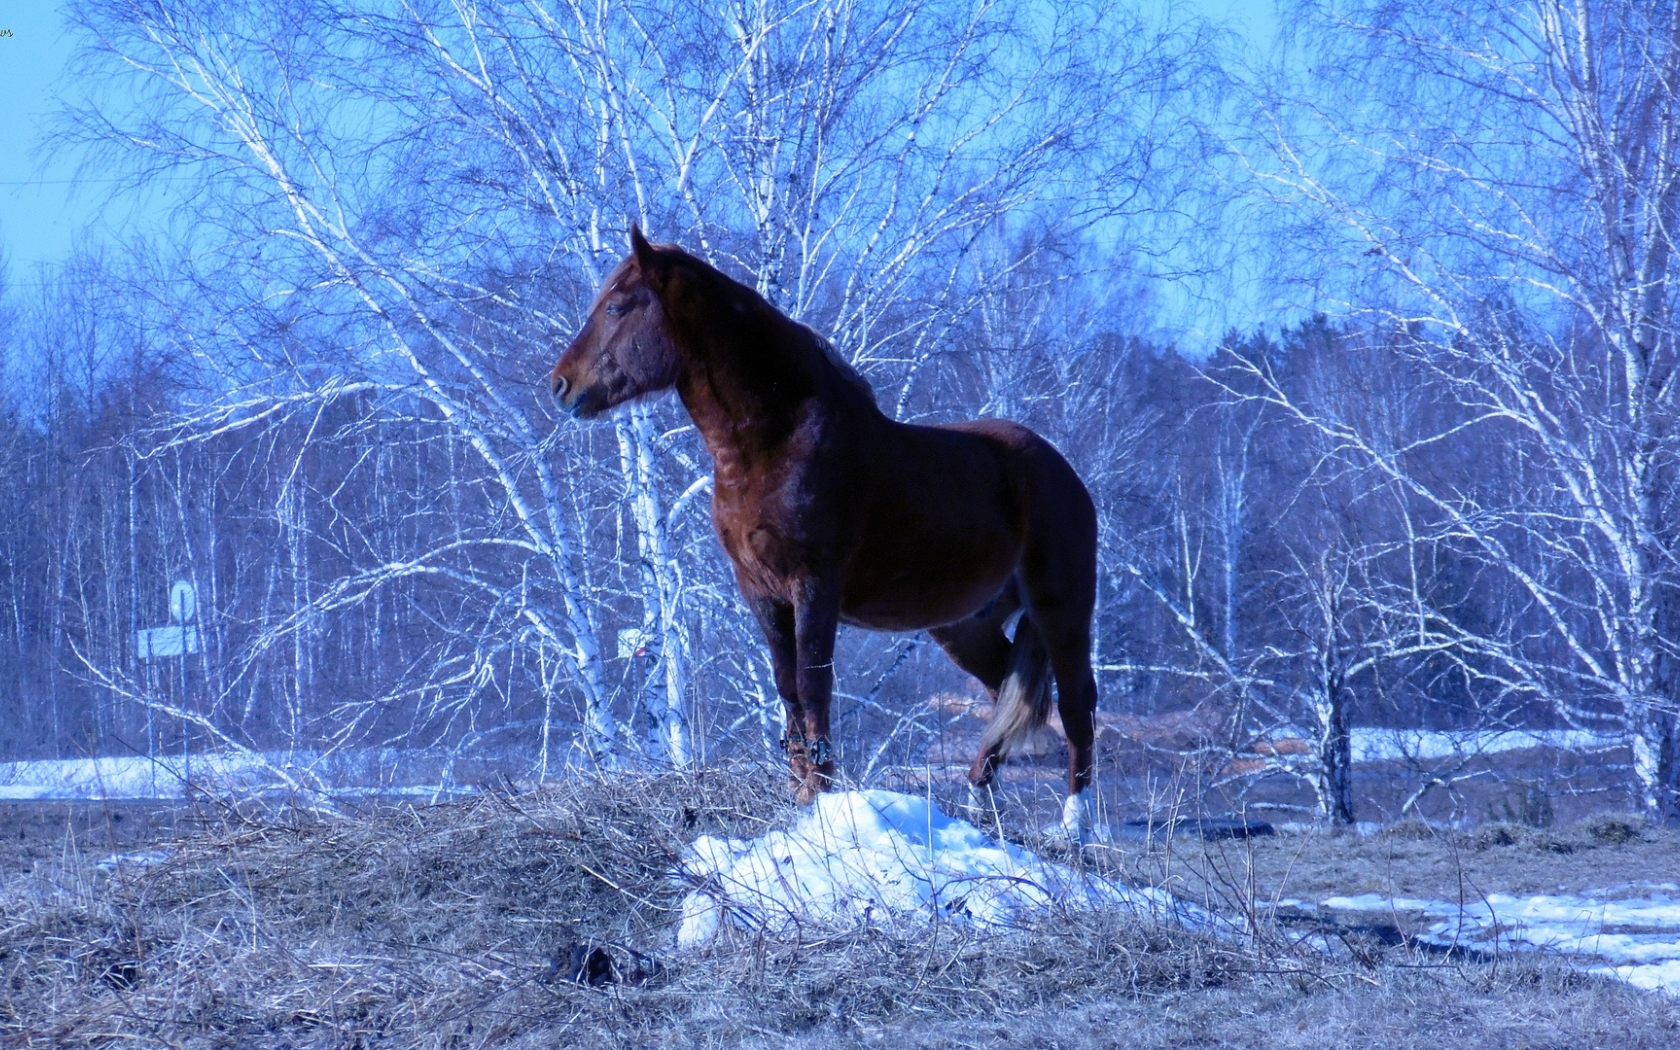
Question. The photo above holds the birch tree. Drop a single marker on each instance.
(1497, 184)
(433, 191)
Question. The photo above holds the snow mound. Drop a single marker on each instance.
(860, 856)
(1635, 938)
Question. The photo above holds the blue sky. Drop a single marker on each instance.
(37, 216)
(45, 207)
(42, 215)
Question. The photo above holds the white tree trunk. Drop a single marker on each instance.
(664, 696)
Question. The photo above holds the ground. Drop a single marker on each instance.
(37, 833)
(1412, 860)
(468, 924)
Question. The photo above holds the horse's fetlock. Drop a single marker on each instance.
(822, 752)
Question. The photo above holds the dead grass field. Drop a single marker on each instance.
(466, 925)
(1413, 860)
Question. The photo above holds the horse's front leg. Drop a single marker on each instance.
(816, 617)
(776, 620)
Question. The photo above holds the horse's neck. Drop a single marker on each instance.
(744, 392)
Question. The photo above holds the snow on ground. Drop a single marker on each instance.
(879, 855)
(1378, 745)
(1630, 931)
(247, 773)
(861, 855)
(411, 771)
(132, 860)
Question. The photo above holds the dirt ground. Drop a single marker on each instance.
(1178, 759)
(470, 924)
(1599, 853)
(36, 832)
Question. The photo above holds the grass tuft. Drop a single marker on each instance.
(1499, 833)
(1614, 829)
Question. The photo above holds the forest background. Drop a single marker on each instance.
(1423, 475)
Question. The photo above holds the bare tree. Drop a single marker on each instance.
(1496, 185)
(403, 208)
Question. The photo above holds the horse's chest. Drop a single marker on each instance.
(764, 534)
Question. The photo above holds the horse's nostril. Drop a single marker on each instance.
(560, 386)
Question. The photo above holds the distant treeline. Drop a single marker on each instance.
(363, 582)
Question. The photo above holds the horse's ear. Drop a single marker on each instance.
(647, 257)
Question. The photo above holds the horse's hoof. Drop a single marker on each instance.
(1079, 821)
(799, 773)
(982, 807)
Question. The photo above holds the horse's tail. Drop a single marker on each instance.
(1023, 700)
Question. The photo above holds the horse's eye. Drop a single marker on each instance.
(615, 309)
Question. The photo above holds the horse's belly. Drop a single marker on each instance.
(893, 616)
(930, 592)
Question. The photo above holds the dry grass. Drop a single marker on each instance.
(1412, 860)
(464, 925)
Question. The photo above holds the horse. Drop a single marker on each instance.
(832, 512)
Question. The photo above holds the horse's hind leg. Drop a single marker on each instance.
(1067, 636)
(1059, 576)
(979, 646)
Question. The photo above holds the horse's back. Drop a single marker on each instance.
(1049, 485)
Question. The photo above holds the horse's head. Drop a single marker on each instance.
(625, 349)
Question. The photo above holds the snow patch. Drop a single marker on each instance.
(861, 856)
(243, 773)
(1635, 938)
(1379, 745)
(148, 859)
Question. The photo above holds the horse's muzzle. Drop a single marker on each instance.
(585, 404)
(579, 404)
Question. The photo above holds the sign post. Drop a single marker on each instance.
(178, 639)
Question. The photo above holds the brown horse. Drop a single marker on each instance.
(834, 513)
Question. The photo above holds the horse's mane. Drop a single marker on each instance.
(826, 350)
(838, 360)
